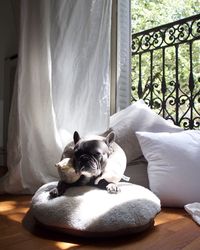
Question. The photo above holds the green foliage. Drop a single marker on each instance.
(148, 14)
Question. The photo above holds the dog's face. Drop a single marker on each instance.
(90, 156)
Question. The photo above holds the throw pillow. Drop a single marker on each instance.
(173, 165)
(137, 117)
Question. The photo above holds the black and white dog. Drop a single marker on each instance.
(96, 160)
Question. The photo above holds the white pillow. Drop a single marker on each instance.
(173, 165)
(137, 117)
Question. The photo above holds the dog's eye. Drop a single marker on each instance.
(97, 154)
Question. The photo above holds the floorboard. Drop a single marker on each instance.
(174, 229)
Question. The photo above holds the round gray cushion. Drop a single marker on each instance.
(89, 211)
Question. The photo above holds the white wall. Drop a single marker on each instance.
(9, 17)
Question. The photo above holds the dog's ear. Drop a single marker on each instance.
(76, 137)
(110, 138)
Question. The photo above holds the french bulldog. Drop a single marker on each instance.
(97, 161)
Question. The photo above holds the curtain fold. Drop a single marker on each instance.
(62, 85)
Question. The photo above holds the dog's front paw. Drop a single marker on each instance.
(53, 193)
(112, 188)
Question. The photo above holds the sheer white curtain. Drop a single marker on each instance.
(62, 85)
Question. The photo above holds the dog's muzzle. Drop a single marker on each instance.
(89, 165)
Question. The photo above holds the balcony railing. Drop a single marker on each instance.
(166, 70)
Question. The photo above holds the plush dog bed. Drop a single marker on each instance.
(88, 211)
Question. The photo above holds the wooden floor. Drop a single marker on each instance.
(174, 229)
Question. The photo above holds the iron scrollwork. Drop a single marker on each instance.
(170, 96)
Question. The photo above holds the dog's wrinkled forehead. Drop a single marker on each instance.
(91, 147)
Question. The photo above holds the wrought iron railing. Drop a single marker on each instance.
(166, 70)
